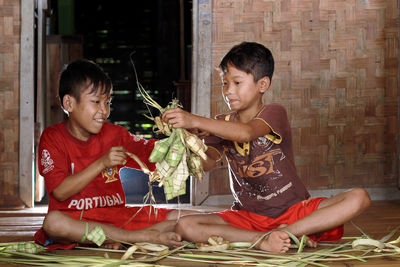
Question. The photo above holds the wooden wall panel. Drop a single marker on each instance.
(9, 101)
(60, 51)
(335, 72)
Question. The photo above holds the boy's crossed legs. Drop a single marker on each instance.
(62, 228)
(198, 228)
(331, 212)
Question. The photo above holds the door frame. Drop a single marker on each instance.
(201, 80)
(27, 104)
(32, 79)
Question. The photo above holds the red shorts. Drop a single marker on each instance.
(121, 217)
(255, 222)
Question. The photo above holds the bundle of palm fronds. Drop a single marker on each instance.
(176, 157)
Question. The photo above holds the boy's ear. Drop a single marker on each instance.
(68, 103)
(264, 84)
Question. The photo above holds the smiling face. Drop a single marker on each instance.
(87, 116)
(240, 91)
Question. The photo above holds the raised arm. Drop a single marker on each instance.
(233, 131)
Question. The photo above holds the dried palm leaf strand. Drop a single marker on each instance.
(142, 165)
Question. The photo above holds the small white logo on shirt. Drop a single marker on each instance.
(46, 161)
(138, 139)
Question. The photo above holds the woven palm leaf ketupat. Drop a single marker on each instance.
(175, 159)
(177, 156)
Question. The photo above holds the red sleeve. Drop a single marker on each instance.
(141, 147)
(54, 163)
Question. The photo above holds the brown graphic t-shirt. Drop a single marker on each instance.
(262, 173)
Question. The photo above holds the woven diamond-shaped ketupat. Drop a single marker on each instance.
(175, 184)
(180, 175)
(176, 149)
(178, 164)
(172, 155)
(195, 166)
(160, 150)
(163, 169)
(97, 236)
(169, 188)
(26, 247)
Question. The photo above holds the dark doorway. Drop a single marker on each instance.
(149, 34)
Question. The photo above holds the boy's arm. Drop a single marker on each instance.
(73, 184)
(233, 131)
(213, 156)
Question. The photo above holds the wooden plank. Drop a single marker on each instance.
(9, 102)
(17, 221)
(27, 129)
(12, 229)
(201, 80)
(41, 67)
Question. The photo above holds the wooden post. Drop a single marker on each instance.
(26, 120)
(201, 79)
(398, 102)
(41, 67)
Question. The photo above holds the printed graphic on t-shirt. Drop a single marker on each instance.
(259, 176)
(263, 163)
(46, 161)
(110, 174)
(276, 193)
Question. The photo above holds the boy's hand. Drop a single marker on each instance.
(115, 156)
(179, 118)
(170, 239)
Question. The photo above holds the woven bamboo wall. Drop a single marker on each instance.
(9, 100)
(336, 73)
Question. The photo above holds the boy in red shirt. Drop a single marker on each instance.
(257, 142)
(80, 159)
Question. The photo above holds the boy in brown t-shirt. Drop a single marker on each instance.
(257, 142)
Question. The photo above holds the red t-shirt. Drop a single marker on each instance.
(264, 180)
(61, 155)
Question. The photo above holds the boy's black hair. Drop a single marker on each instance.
(252, 58)
(79, 75)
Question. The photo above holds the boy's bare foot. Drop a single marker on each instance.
(170, 239)
(309, 242)
(276, 241)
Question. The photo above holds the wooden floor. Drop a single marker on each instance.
(377, 221)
